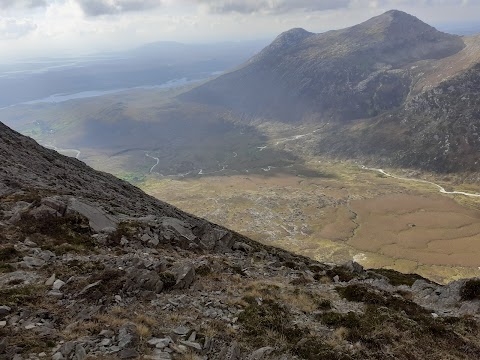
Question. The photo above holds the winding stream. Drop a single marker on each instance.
(441, 189)
(77, 152)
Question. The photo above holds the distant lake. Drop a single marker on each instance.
(58, 98)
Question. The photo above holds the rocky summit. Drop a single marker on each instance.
(91, 267)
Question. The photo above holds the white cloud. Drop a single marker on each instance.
(11, 28)
(109, 7)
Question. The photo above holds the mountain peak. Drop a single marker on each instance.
(399, 24)
(291, 37)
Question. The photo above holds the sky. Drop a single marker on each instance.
(31, 28)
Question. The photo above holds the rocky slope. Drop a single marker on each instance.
(91, 267)
(392, 88)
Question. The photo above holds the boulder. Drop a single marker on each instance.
(98, 219)
(184, 275)
(180, 228)
(216, 239)
(4, 311)
(127, 336)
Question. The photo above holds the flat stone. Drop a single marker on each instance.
(30, 261)
(181, 330)
(30, 326)
(191, 344)
(57, 356)
(57, 285)
(106, 342)
(3, 324)
(98, 219)
(161, 356)
(55, 293)
(50, 280)
(128, 354)
(261, 353)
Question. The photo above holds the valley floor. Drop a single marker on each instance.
(348, 213)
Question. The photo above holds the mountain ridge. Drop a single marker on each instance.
(367, 73)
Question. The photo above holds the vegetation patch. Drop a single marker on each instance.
(343, 274)
(22, 295)
(168, 279)
(60, 234)
(8, 253)
(268, 322)
(396, 278)
(127, 229)
(470, 290)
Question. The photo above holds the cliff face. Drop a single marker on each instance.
(91, 266)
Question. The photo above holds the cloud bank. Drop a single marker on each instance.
(110, 7)
(5, 4)
(270, 6)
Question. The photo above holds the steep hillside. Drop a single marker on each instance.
(92, 267)
(346, 74)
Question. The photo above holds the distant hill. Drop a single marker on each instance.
(392, 88)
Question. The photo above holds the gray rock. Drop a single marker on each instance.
(191, 344)
(106, 342)
(3, 323)
(181, 330)
(56, 203)
(29, 243)
(43, 212)
(161, 356)
(50, 280)
(67, 348)
(57, 285)
(143, 279)
(32, 262)
(80, 352)
(261, 353)
(47, 255)
(242, 247)
(57, 356)
(231, 353)
(4, 311)
(354, 267)
(98, 219)
(126, 335)
(55, 293)
(184, 275)
(17, 211)
(128, 354)
(106, 333)
(179, 227)
(217, 239)
(88, 287)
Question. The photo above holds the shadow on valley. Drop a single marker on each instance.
(183, 140)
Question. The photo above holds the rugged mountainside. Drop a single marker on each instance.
(333, 74)
(392, 88)
(92, 267)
